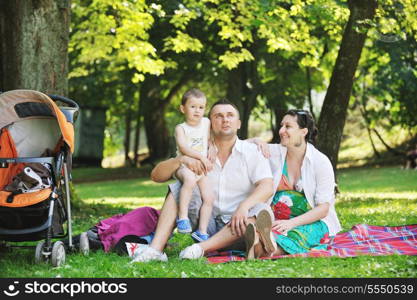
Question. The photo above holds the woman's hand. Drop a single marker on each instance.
(282, 226)
(262, 146)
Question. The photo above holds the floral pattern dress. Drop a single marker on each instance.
(289, 202)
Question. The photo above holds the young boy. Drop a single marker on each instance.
(192, 138)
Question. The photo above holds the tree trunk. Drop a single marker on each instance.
(137, 134)
(128, 129)
(310, 100)
(129, 101)
(242, 90)
(33, 45)
(390, 149)
(364, 113)
(372, 142)
(334, 110)
(153, 107)
(155, 127)
(279, 113)
(367, 123)
(234, 92)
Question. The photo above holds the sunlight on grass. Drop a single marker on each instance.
(363, 195)
(366, 211)
(151, 183)
(377, 180)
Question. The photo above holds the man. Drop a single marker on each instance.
(241, 180)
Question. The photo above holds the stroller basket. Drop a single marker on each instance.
(30, 223)
(37, 141)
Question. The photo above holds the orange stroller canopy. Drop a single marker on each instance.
(18, 105)
(30, 123)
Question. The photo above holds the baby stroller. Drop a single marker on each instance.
(36, 144)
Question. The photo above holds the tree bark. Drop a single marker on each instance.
(34, 45)
(367, 123)
(153, 106)
(390, 149)
(128, 129)
(137, 135)
(364, 113)
(279, 113)
(334, 110)
(129, 100)
(243, 90)
(309, 89)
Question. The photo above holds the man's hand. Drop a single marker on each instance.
(207, 164)
(194, 165)
(212, 153)
(239, 221)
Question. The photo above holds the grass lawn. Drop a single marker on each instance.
(383, 196)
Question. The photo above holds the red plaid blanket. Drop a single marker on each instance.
(362, 239)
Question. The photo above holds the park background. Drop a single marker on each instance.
(127, 63)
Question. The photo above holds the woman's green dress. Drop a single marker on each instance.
(289, 202)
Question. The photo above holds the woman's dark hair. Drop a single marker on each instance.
(305, 120)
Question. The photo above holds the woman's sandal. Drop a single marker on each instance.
(264, 226)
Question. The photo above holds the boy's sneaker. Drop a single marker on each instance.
(184, 226)
(199, 237)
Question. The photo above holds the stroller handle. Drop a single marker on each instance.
(68, 101)
(70, 112)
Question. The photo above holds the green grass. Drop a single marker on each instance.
(385, 196)
(378, 180)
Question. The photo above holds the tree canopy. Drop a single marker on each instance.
(136, 57)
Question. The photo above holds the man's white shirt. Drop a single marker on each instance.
(232, 183)
(235, 181)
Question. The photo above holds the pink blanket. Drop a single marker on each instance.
(362, 239)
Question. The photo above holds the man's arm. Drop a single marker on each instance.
(164, 170)
(261, 194)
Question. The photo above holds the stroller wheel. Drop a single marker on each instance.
(58, 254)
(39, 256)
(84, 243)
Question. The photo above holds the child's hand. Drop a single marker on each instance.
(212, 153)
(262, 146)
(207, 164)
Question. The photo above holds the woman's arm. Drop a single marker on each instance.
(317, 213)
(262, 146)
